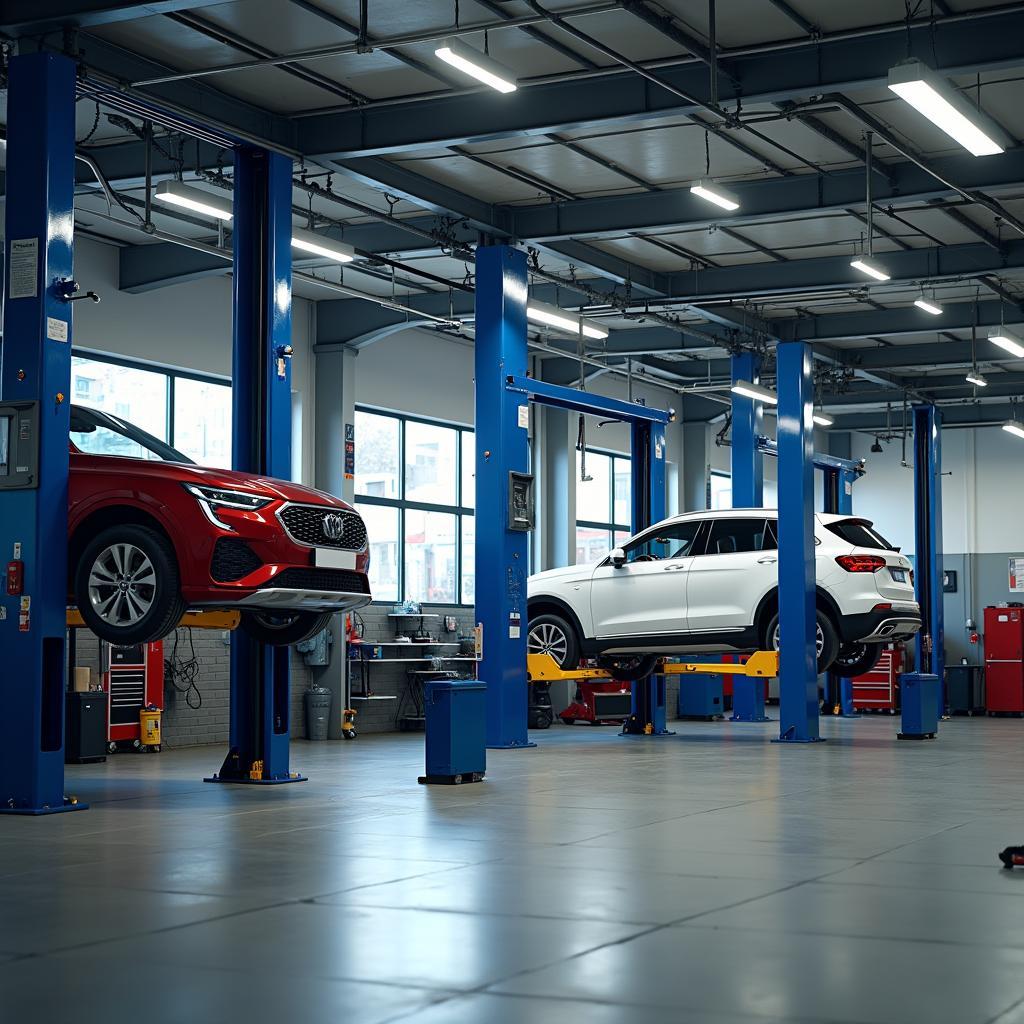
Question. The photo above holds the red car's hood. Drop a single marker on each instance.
(285, 490)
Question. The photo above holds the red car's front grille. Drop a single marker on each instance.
(326, 527)
(341, 581)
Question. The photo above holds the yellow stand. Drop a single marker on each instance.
(761, 664)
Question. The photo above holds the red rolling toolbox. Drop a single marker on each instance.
(1004, 660)
(878, 690)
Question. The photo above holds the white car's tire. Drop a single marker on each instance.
(856, 659)
(551, 634)
(827, 639)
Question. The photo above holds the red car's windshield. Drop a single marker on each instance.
(98, 433)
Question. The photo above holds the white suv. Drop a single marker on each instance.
(709, 581)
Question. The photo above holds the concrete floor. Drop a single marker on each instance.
(711, 878)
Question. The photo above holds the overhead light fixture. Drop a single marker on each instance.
(321, 245)
(755, 391)
(975, 378)
(1010, 342)
(870, 267)
(176, 193)
(1013, 427)
(477, 65)
(928, 305)
(823, 419)
(876, 448)
(563, 320)
(715, 194)
(931, 95)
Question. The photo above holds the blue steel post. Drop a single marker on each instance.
(36, 367)
(928, 543)
(747, 460)
(648, 493)
(747, 492)
(261, 423)
(502, 422)
(798, 670)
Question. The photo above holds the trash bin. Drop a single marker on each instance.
(919, 705)
(318, 712)
(456, 731)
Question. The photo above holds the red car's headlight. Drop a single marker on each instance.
(213, 498)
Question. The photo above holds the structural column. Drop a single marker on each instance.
(930, 642)
(262, 424)
(36, 374)
(798, 669)
(502, 431)
(747, 460)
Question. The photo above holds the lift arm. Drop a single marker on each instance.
(761, 664)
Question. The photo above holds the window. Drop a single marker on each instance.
(674, 541)
(189, 412)
(414, 484)
(603, 504)
(719, 490)
(731, 536)
(860, 533)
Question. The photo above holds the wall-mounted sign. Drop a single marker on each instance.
(1016, 573)
(350, 451)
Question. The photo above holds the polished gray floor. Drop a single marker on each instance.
(710, 877)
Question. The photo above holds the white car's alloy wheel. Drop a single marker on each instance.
(819, 638)
(547, 638)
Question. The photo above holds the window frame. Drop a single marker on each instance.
(459, 510)
(610, 527)
(172, 374)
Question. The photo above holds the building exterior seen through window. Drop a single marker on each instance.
(603, 505)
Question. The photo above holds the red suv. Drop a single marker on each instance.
(152, 535)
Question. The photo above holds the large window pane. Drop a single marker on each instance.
(139, 396)
(468, 559)
(591, 544)
(430, 463)
(623, 486)
(377, 455)
(382, 527)
(202, 421)
(468, 469)
(721, 490)
(594, 495)
(431, 559)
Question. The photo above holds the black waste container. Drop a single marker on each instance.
(85, 727)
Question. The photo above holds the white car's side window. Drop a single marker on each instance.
(676, 540)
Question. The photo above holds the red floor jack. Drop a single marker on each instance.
(599, 703)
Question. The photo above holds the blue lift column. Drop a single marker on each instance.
(35, 383)
(798, 669)
(262, 424)
(647, 466)
(928, 543)
(502, 435)
(748, 694)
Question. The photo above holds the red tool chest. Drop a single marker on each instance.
(878, 690)
(1004, 660)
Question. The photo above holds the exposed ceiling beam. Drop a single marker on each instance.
(975, 42)
(23, 16)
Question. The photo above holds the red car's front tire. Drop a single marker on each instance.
(127, 585)
(282, 629)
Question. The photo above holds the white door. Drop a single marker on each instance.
(646, 595)
(725, 584)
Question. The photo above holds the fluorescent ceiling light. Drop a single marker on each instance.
(553, 316)
(869, 267)
(1013, 427)
(477, 65)
(715, 194)
(178, 194)
(974, 377)
(1010, 342)
(823, 420)
(321, 245)
(928, 305)
(931, 95)
(755, 391)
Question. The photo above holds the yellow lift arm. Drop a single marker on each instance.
(761, 664)
(194, 620)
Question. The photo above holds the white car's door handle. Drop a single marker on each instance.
(767, 561)
(672, 568)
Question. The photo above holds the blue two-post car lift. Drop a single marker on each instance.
(503, 393)
(35, 374)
